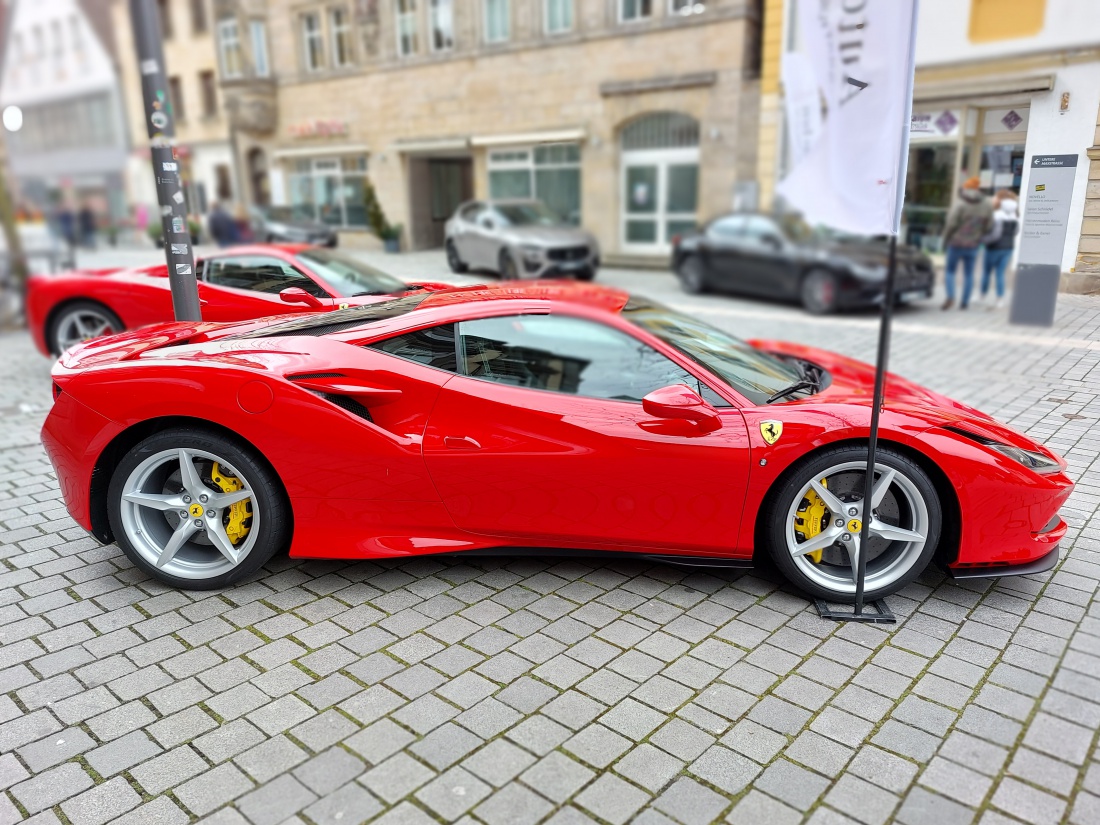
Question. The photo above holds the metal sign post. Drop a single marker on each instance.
(159, 121)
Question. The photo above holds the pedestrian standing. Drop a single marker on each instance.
(999, 244)
(221, 226)
(87, 221)
(971, 219)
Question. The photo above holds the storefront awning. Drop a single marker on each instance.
(448, 144)
(962, 90)
(516, 138)
(314, 151)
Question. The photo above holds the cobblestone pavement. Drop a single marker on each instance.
(517, 691)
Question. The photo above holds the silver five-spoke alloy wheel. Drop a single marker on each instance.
(899, 529)
(81, 324)
(177, 518)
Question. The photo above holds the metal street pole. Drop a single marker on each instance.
(159, 120)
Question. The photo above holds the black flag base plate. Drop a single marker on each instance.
(875, 612)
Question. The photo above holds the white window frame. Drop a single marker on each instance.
(335, 31)
(433, 10)
(528, 163)
(225, 43)
(308, 35)
(691, 6)
(257, 31)
(507, 22)
(330, 166)
(623, 19)
(546, 17)
(399, 17)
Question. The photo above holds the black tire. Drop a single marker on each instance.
(75, 308)
(818, 292)
(587, 274)
(275, 524)
(692, 275)
(453, 260)
(508, 269)
(912, 561)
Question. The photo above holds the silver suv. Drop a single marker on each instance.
(519, 239)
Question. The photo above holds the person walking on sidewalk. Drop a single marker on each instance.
(999, 244)
(970, 220)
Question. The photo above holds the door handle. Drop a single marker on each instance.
(461, 442)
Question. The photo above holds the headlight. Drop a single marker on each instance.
(532, 253)
(868, 272)
(1034, 461)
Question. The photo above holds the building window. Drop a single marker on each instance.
(635, 10)
(77, 37)
(551, 173)
(330, 190)
(84, 122)
(198, 16)
(164, 9)
(258, 32)
(443, 25)
(313, 44)
(559, 16)
(340, 30)
(58, 43)
(175, 97)
(209, 94)
(686, 7)
(1005, 19)
(229, 48)
(223, 184)
(408, 41)
(496, 21)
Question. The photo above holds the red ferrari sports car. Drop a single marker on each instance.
(521, 417)
(237, 284)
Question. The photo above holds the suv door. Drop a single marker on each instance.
(542, 437)
(242, 287)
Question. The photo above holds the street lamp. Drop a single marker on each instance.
(13, 118)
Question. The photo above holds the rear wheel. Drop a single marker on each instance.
(81, 321)
(693, 280)
(453, 260)
(819, 292)
(195, 510)
(813, 524)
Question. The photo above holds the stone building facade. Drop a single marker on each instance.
(635, 118)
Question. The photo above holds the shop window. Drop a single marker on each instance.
(330, 190)
(550, 173)
(497, 23)
(1005, 19)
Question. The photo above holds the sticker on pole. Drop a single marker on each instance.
(178, 197)
(149, 67)
(170, 166)
(159, 120)
(183, 269)
(179, 249)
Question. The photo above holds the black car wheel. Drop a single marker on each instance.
(508, 269)
(813, 520)
(587, 274)
(819, 292)
(693, 280)
(453, 261)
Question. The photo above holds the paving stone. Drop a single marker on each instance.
(861, 800)
(513, 805)
(1028, 803)
(46, 789)
(343, 805)
(612, 799)
(55, 748)
(755, 808)
(724, 769)
(953, 780)
(791, 784)
(453, 793)
(213, 789)
(275, 801)
(271, 758)
(169, 770)
(122, 753)
(101, 803)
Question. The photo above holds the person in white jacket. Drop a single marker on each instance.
(999, 244)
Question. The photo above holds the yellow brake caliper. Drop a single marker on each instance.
(811, 518)
(240, 514)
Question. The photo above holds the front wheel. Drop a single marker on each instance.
(693, 280)
(819, 292)
(196, 510)
(457, 265)
(813, 524)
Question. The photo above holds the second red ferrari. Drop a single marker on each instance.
(236, 284)
(521, 417)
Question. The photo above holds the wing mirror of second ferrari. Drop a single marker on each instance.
(297, 295)
(679, 402)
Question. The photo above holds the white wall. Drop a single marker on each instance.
(943, 27)
(1051, 132)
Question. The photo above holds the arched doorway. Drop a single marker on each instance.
(258, 177)
(660, 180)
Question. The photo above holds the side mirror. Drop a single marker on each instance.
(488, 223)
(297, 295)
(679, 402)
(774, 241)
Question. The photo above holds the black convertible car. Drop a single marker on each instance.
(783, 258)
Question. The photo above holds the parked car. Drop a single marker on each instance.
(519, 239)
(783, 258)
(512, 419)
(238, 284)
(273, 224)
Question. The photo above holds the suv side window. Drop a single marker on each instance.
(470, 213)
(729, 228)
(567, 355)
(432, 347)
(258, 273)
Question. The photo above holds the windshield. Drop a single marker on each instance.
(534, 213)
(288, 214)
(754, 374)
(348, 278)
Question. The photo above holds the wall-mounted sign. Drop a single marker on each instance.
(1043, 239)
(318, 128)
(935, 124)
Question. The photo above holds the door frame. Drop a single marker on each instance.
(662, 159)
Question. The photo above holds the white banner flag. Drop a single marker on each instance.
(859, 57)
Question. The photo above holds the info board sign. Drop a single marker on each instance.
(1042, 239)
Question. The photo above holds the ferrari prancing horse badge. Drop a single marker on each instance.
(771, 430)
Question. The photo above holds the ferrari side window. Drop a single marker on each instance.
(567, 355)
(432, 347)
(259, 274)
